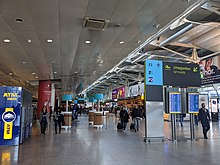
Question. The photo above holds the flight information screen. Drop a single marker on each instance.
(174, 102)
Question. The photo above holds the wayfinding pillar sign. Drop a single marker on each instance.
(154, 100)
(154, 72)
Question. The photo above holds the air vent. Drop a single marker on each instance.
(95, 24)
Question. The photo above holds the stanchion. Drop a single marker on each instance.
(192, 131)
(173, 126)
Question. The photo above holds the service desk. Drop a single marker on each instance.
(67, 120)
(91, 117)
(98, 118)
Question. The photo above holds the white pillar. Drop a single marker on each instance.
(52, 98)
(126, 88)
(67, 106)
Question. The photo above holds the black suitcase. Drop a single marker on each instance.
(119, 126)
(132, 126)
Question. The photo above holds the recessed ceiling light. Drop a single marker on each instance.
(33, 73)
(88, 42)
(19, 20)
(10, 74)
(121, 42)
(24, 62)
(49, 40)
(75, 72)
(29, 41)
(54, 72)
(36, 76)
(7, 40)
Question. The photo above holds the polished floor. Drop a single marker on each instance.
(85, 145)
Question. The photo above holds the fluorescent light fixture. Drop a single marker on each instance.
(54, 72)
(7, 40)
(36, 76)
(88, 42)
(49, 41)
(33, 73)
(121, 42)
(29, 40)
(24, 62)
(75, 72)
(10, 74)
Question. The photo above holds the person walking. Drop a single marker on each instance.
(124, 116)
(136, 115)
(181, 118)
(43, 120)
(57, 119)
(204, 117)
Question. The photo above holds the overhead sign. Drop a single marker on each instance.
(181, 74)
(210, 70)
(193, 103)
(154, 72)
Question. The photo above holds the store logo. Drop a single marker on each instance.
(8, 116)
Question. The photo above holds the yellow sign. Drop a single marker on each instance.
(8, 125)
(11, 96)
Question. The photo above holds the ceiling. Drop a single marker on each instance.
(141, 24)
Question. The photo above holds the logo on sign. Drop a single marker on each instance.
(8, 116)
(167, 67)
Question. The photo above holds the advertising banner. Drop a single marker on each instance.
(137, 89)
(118, 93)
(10, 107)
(210, 70)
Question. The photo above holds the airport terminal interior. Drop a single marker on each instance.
(104, 82)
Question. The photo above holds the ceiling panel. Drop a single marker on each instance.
(71, 19)
(23, 38)
(103, 5)
(75, 4)
(45, 19)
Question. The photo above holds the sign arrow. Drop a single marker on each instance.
(158, 65)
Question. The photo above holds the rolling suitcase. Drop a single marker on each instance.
(132, 126)
(119, 125)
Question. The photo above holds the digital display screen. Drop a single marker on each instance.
(174, 102)
(193, 102)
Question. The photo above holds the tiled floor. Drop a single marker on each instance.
(85, 145)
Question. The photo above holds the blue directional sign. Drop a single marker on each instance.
(154, 72)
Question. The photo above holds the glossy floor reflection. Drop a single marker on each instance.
(85, 145)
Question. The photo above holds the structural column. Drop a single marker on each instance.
(44, 95)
